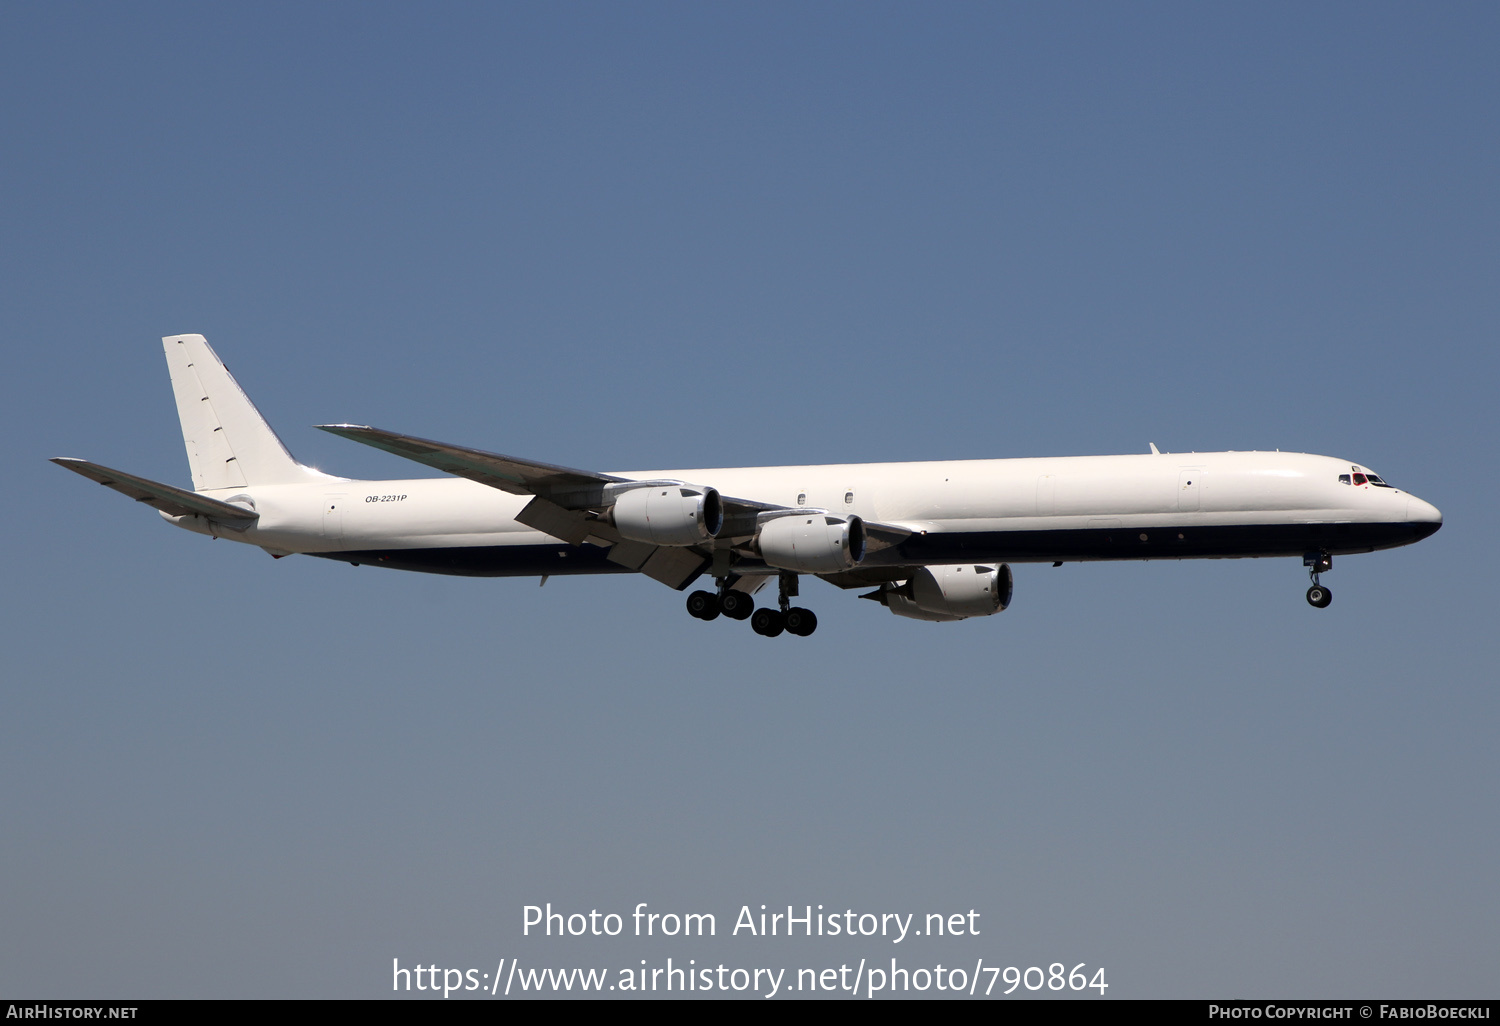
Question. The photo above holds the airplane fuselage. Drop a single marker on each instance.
(1152, 506)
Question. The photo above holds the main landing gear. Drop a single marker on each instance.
(768, 622)
(705, 605)
(1318, 563)
(793, 619)
(738, 605)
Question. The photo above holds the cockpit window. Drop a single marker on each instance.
(1362, 479)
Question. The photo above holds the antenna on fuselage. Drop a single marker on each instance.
(1154, 450)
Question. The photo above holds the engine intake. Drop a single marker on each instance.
(943, 593)
(668, 514)
(812, 542)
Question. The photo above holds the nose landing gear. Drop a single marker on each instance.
(1318, 563)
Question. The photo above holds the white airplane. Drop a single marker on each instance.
(932, 539)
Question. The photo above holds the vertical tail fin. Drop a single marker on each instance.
(229, 444)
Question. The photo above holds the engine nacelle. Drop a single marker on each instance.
(951, 592)
(668, 514)
(812, 542)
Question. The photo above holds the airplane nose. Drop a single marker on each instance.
(1424, 516)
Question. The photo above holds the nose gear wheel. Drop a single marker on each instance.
(1318, 563)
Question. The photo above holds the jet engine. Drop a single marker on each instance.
(668, 514)
(811, 542)
(949, 592)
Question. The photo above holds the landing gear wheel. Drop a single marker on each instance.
(703, 604)
(768, 623)
(737, 605)
(1318, 563)
(801, 622)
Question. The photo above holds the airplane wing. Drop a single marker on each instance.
(566, 487)
(507, 473)
(177, 502)
(868, 577)
(565, 498)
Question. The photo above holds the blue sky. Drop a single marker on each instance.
(714, 235)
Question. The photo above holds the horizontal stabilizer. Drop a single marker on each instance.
(175, 502)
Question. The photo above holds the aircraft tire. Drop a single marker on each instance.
(703, 604)
(767, 623)
(801, 622)
(1318, 596)
(737, 605)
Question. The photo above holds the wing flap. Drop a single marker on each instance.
(675, 567)
(177, 502)
(570, 525)
(632, 554)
